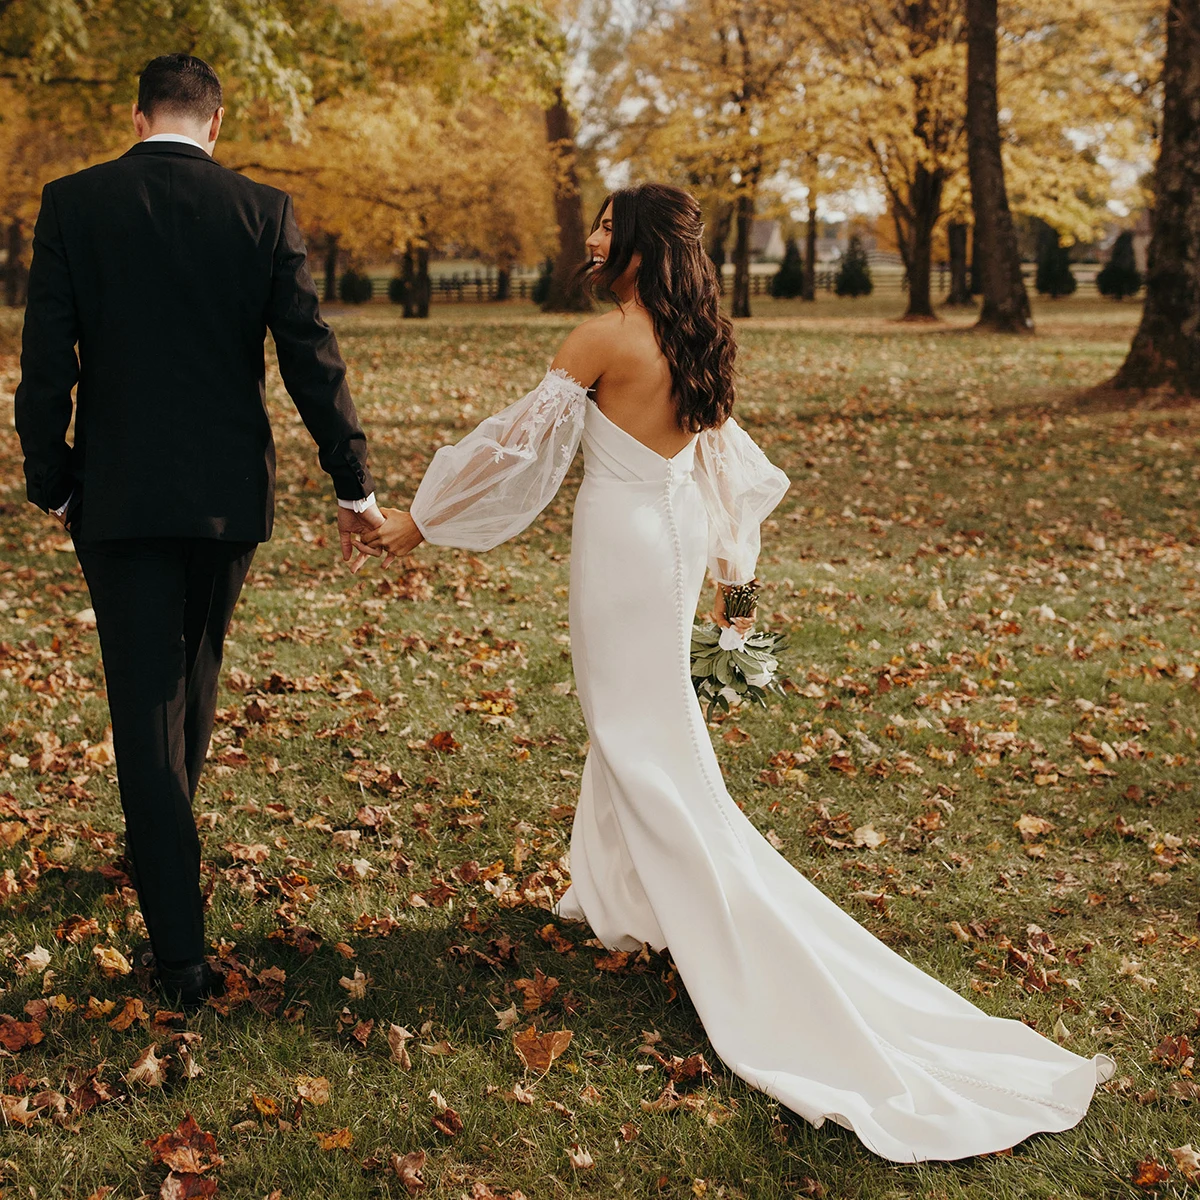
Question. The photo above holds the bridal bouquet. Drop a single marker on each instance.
(729, 669)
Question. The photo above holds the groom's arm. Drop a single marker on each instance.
(312, 367)
(49, 366)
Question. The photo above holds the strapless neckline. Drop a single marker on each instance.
(649, 450)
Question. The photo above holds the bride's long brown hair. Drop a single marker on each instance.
(677, 284)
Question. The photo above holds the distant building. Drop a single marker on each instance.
(766, 241)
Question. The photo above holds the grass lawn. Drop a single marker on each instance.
(993, 605)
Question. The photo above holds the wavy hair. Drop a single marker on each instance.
(677, 284)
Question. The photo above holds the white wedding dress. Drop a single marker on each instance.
(796, 997)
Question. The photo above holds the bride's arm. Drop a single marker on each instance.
(740, 487)
(489, 486)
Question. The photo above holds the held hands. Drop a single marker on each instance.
(352, 527)
(396, 536)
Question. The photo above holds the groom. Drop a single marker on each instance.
(154, 280)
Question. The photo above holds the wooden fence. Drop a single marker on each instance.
(887, 274)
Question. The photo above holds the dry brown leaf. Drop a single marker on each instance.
(148, 1069)
(579, 1158)
(668, 1100)
(686, 1071)
(1030, 827)
(537, 990)
(539, 1050)
(75, 929)
(313, 1088)
(187, 1149)
(16, 1035)
(552, 937)
(102, 754)
(112, 963)
(408, 1169)
(16, 1111)
(356, 986)
(1187, 1161)
(507, 1018)
(1172, 1051)
(869, 836)
(1149, 1174)
(191, 1068)
(447, 1121)
(187, 1187)
(36, 961)
(397, 1036)
(618, 960)
(132, 1010)
(338, 1139)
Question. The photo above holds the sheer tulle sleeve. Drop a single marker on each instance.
(740, 488)
(488, 487)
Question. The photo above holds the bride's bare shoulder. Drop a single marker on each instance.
(587, 350)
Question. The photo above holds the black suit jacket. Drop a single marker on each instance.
(166, 270)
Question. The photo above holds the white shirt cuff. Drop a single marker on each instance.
(58, 512)
(354, 505)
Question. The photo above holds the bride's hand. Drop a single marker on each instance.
(742, 624)
(396, 537)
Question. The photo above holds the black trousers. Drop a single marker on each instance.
(163, 607)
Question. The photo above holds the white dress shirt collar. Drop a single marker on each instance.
(176, 137)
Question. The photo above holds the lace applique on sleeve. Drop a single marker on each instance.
(488, 487)
(740, 487)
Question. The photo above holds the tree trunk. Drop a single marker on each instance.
(567, 293)
(808, 290)
(741, 254)
(503, 282)
(975, 275)
(14, 270)
(408, 273)
(960, 287)
(718, 236)
(1166, 348)
(331, 267)
(424, 285)
(914, 233)
(1005, 301)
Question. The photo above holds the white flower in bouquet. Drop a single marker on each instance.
(729, 668)
(731, 638)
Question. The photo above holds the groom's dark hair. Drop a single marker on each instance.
(179, 85)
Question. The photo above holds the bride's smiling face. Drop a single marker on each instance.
(599, 244)
(600, 241)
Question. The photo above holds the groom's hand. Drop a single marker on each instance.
(352, 527)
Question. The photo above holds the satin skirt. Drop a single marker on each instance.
(795, 996)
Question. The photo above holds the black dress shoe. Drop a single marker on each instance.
(189, 986)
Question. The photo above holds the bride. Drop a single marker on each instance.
(796, 997)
